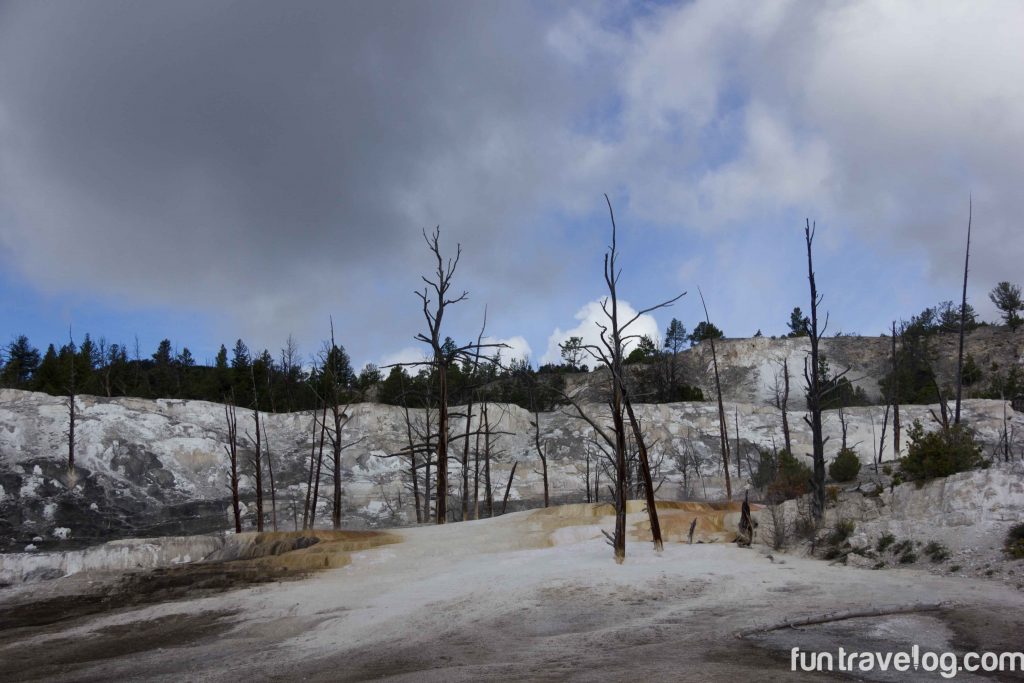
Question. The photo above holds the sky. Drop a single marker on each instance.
(206, 170)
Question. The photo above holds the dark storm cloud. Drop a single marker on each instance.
(219, 153)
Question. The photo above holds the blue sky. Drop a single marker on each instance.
(202, 173)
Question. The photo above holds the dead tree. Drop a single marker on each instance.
(943, 418)
(645, 473)
(314, 464)
(319, 468)
(414, 476)
(587, 476)
(441, 356)
(541, 453)
(963, 318)
(270, 472)
(614, 335)
(782, 403)
(880, 451)
(722, 430)
(746, 529)
(232, 451)
(488, 490)
(508, 487)
(815, 391)
(469, 420)
(476, 476)
(72, 395)
(739, 457)
(257, 461)
(843, 427)
(895, 390)
(435, 300)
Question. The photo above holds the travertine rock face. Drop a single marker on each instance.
(751, 367)
(149, 468)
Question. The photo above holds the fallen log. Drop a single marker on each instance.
(842, 616)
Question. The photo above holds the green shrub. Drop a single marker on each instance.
(936, 551)
(940, 453)
(845, 467)
(955, 568)
(908, 557)
(884, 542)
(781, 475)
(1015, 542)
(887, 469)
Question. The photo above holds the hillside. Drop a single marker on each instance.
(751, 367)
(159, 467)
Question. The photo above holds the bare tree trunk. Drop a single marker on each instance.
(427, 469)
(645, 472)
(72, 393)
(319, 467)
(508, 486)
(814, 392)
(895, 388)
(963, 319)
(842, 426)
(589, 497)
(1006, 433)
(338, 414)
(488, 491)
(232, 451)
(739, 458)
(442, 444)
(412, 456)
(881, 439)
(465, 460)
(307, 515)
(540, 452)
(270, 471)
(785, 407)
(476, 475)
(257, 464)
(722, 431)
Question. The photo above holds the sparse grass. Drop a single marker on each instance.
(903, 547)
(955, 568)
(840, 532)
(884, 542)
(832, 494)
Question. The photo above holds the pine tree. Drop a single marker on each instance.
(1007, 298)
(22, 363)
(798, 323)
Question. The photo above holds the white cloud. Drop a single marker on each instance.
(588, 317)
(409, 354)
(519, 349)
(878, 117)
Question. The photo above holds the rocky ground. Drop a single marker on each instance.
(528, 596)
